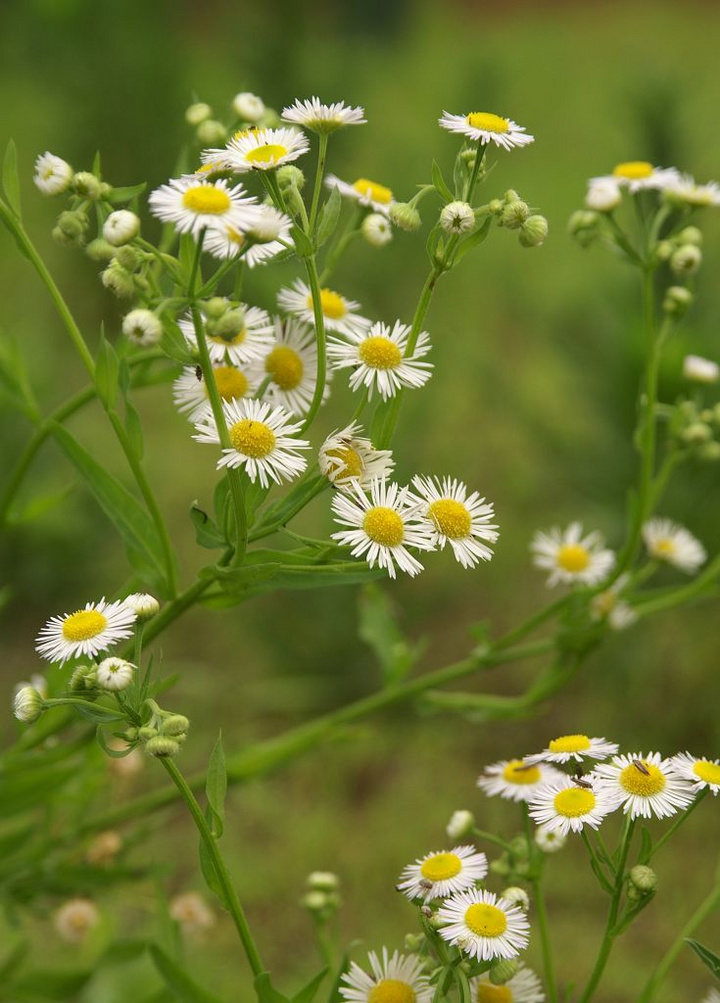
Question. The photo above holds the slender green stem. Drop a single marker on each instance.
(534, 621)
(489, 837)
(704, 581)
(680, 820)
(546, 947)
(341, 242)
(322, 153)
(596, 863)
(319, 391)
(229, 893)
(479, 159)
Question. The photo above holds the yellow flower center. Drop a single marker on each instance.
(350, 458)
(231, 382)
(574, 801)
(373, 191)
(252, 438)
(451, 518)
(488, 993)
(633, 170)
(486, 920)
(707, 771)
(635, 781)
(570, 743)
(441, 866)
(84, 624)
(332, 304)
(235, 236)
(392, 991)
(210, 168)
(516, 772)
(285, 367)
(231, 339)
(268, 154)
(664, 547)
(487, 122)
(384, 526)
(572, 557)
(206, 199)
(380, 353)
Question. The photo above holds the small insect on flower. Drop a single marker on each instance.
(484, 926)
(566, 807)
(439, 874)
(523, 987)
(516, 779)
(378, 360)
(86, 632)
(485, 127)
(575, 748)
(365, 192)
(464, 521)
(347, 456)
(395, 979)
(667, 541)
(259, 150)
(339, 314)
(323, 118)
(571, 557)
(703, 774)
(643, 785)
(194, 205)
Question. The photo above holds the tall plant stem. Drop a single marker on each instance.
(320, 171)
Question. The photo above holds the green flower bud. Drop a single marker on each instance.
(583, 226)
(131, 735)
(413, 942)
(461, 825)
(162, 747)
(696, 434)
(664, 250)
(28, 704)
(519, 847)
(87, 185)
(228, 325)
(495, 207)
(677, 300)
(293, 201)
(175, 725)
(129, 257)
(323, 881)
(534, 231)
(501, 867)
(146, 733)
(290, 176)
(468, 158)
(210, 132)
(72, 225)
(690, 235)
(215, 307)
(314, 901)
(502, 970)
(83, 678)
(514, 214)
(643, 879)
(100, 251)
(197, 113)
(118, 281)
(686, 260)
(405, 216)
(511, 195)
(105, 190)
(709, 452)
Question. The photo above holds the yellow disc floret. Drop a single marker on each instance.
(231, 382)
(451, 518)
(574, 801)
(572, 557)
(373, 191)
(633, 170)
(235, 236)
(488, 993)
(516, 772)
(285, 367)
(252, 438)
(384, 526)
(84, 624)
(352, 464)
(332, 304)
(488, 122)
(707, 771)
(665, 547)
(206, 199)
(267, 155)
(392, 991)
(441, 866)
(570, 743)
(380, 353)
(230, 339)
(486, 920)
(646, 781)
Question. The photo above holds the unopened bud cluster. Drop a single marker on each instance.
(322, 898)
(695, 429)
(514, 213)
(164, 733)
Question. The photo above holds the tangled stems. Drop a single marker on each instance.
(541, 914)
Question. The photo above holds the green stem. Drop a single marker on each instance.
(681, 595)
(546, 947)
(319, 391)
(340, 243)
(479, 159)
(489, 837)
(230, 895)
(534, 621)
(680, 820)
(322, 153)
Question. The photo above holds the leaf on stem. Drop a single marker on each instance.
(440, 184)
(379, 630)
(328, 217)
(179, 981)
(707, 956)
(216, 788)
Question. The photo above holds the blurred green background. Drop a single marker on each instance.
(538, 355)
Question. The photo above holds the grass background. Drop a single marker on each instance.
(538, 355)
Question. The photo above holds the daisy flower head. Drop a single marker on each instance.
(264, 237)
(603, 194)
(516, 779)
(260, 150)
(549, 840)
(702, 773)
(323, 118)
(74, 920)
(241, 336)
(462, 520)
(115, 673)
(685, 190)
(367, 193)
(571, 557)
(667, 541)
(643, 785)
(713, 996)
(339, 313)
(52, 174)
(437, 875)
(636, 175)
(485, 127)
(347, 456)
(381, 526)
(395, 979)
(378, 360)
(700, 370)
(262, 440)
(193, 205)
(574, 748)
(291, 366)
(566, 806)
(483, 925)
(190, 390)
(608, 606)
(523, 987)
(86, 632)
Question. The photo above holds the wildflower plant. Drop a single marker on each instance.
(252, 382)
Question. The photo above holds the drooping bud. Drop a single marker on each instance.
(229, 324)
(162, 747)
(248, 107)
(290, 176)
(642, 881)
(405, 216)
(502, 970)
(175, 725)
(514, 214)
(100, 251)
(129, 257)
(28, 704)
(118, 281)
(534, 231)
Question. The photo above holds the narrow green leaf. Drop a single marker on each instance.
(303, 246)
(98, 714)
(379, 630)
(474, 240)
(216, 787)
(11, 184)
(178, 980)
(646, 846)
(106, 373)
(133, 427)
(307, 993)
(327, 220)
(265, 991)
(208, 870)
(207, 533)
(440, 184)
(97, 165)
(126, 194)
(707, 956)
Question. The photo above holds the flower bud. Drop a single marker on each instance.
(468, 158)
(495, 207)
(118, 281)
(696, 434)
(323, 881)
(686, 260)
(72, 224)
(677, 300)
(405, 216)
(211, 132)
(74, 920)
(413, 942)
(248, 107)
(500, 866)
(514, 214)
(664, 250)
(175, 725)
(114, 674)
(549, 841)
(533, 231)
(290, 176)
(700, 370)
(519, 847)
(517, 896)
(457, 217)
(28, 704)
(228, 325)
(314, 901)
(104, 848)
(215, 307)
(100, 251)
(129, 257)
(52, 174)
(83, 678)
(143, 328)
(146, 732)
(461, 824)
(120, 227)
(376, 229)
(709, 452)
(197, 113)
(502, 970)
(690, 235)
(144, 606)
(643, 879)
(86, 184)
(162, 747)
(603, 195)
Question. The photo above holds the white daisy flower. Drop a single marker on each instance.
(193, 205)
(396, 979)
(523, 987)
(262, 441)
(437, 875)
(291, 365)
(143, 605)
(377, 357)
(259, 150)
(318, 117)
(702, 773)
(483, 925)
(667, 541)
(603, 194)
(86, 632)
(338, 313)
(248, 106)
(700, 370)
(636, 175)
(684, 188)
(142, 327)
(571, 557)
(74, 920)
(346, 456)
(458, 519)
(608, 606)
(376, 229)
(267, 234)
(52, 174)
(643, 785)
(381, 527)
(549, 840)
(368, 193)
(115, 673)
(516, 779)
(565, 806)
(190, 391)
(484, 127)
(574, 748)
(249, 344)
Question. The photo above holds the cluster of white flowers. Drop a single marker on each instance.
(605, 192)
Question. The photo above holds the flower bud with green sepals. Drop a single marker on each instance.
(405, 216)
(87, 185)
(129, 257)
(583, 226)
(143, 605)
(197, 113)
(534, 231)
(174, 725)
(457, 217)
(215, 307)
(290, 176)
(121, 227)
(642, 882)
(518, 896)
(502, 970)
(53, 175)
(686, 260)
(210, 132)
(514, 214)
(461, 824)
(228, 325)
(690, 235)
(162, 747)
(248, 107)
(100, 251)
(147, 732)
(709, 452)
(72, 224)
(324, 881)
(118, 281)
(677, 300)
(696, 434)
(83, 678)
(28, 704)
(495, 207)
